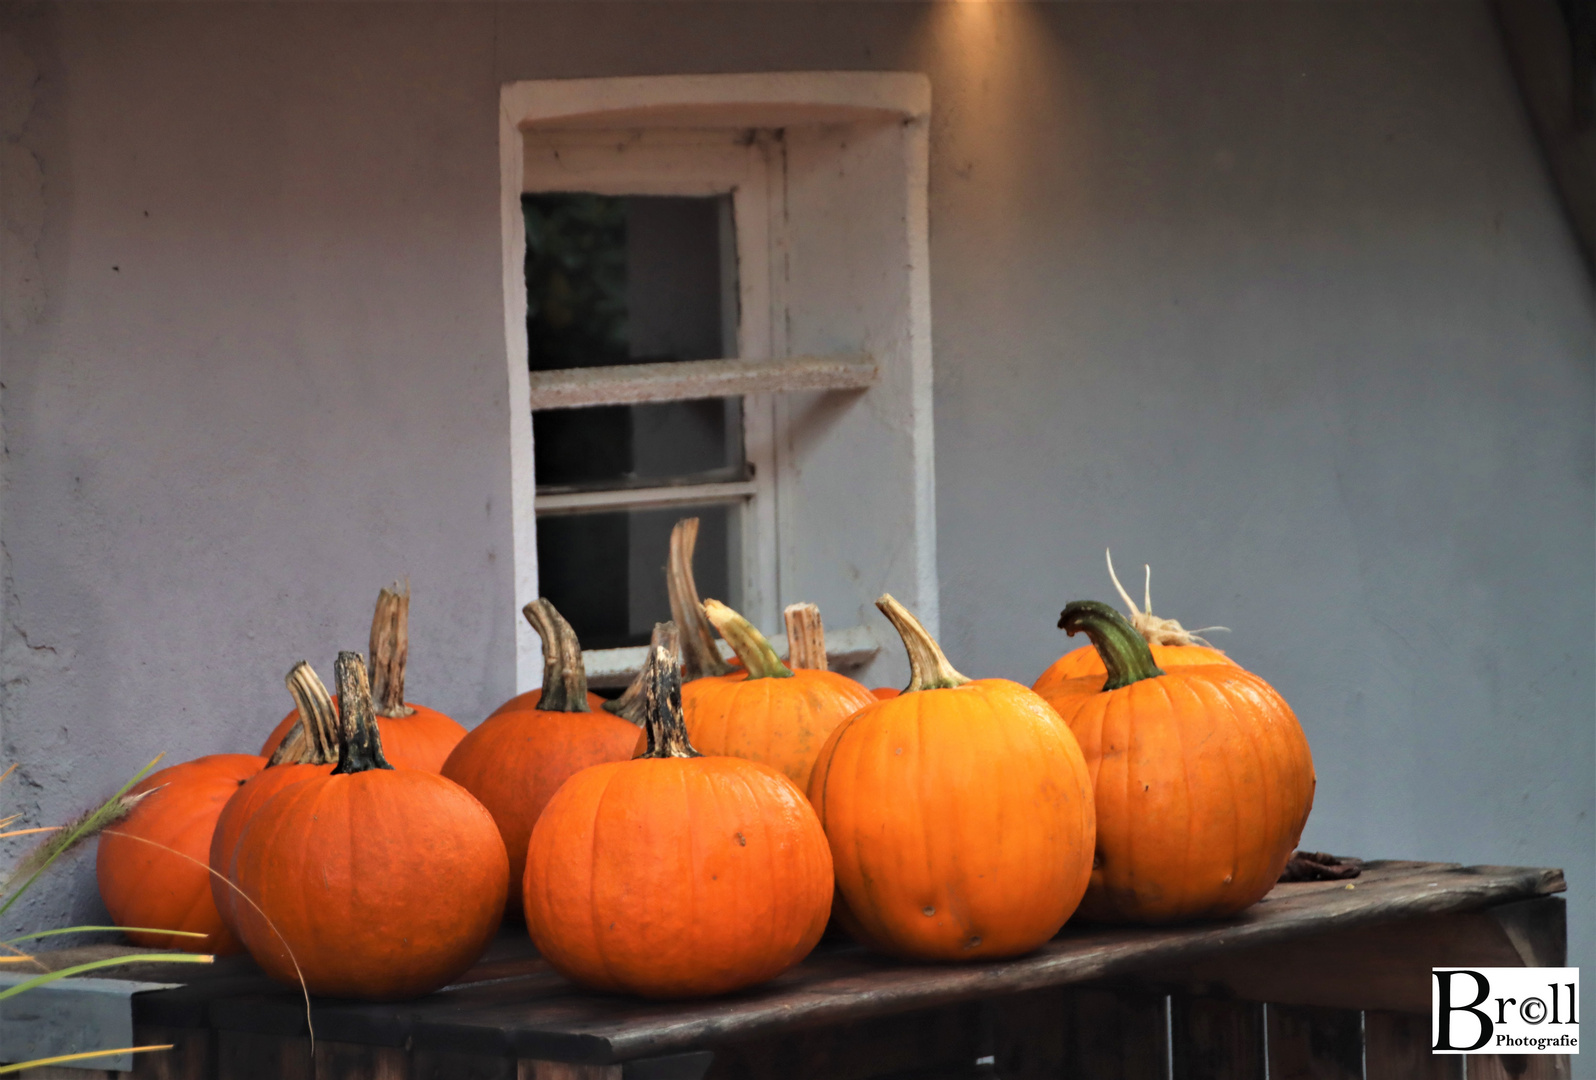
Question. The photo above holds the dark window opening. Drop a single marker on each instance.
(628, 280)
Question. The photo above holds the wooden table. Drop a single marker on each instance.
(1342, 966)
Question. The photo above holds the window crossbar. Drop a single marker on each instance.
(688, 380)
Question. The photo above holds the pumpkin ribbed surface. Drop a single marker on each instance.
(781, 722)
(143, 883)
(1084, 662)
(250, 797)
(677, 877)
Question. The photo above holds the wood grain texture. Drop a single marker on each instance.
(684, 380)
(1314, 1044)
(947, 1037)
(192, 1057)
(244, 1055)
(1216, 1039)
(1396, 1046)
(1124, 1034)
(349, 1061)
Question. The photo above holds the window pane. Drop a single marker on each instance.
(606, 571)
(616, 280)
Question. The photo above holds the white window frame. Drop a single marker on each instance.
(723, 135)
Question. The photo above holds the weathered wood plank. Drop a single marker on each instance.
(686, 380)
(950, 1036)
(1123, 1034)
(1030, 1034)
(349, 1061)
(1380, 967)
(1216, 1039)
(560, 1070)
(1396, 1046)
(453, 1065)
(192, 1057)
(245, 1055)
(1314, 1044)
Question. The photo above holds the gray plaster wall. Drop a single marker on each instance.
(1275, 297)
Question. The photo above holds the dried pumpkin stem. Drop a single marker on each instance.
(700, 657)
(928, 666)
(633, 702)
(564, 674)
(1122, 648)
(359, 742)
(806, 637)
(662, 698)
(314, 740)
(758, 657)
(390, 649)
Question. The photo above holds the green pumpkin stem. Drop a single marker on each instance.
(314, 740)
(758, 657)
(700, 657)
(1120, 645)
(390, 649)
(662, 697)
(928, 665)
(359, 742)
(564, 675)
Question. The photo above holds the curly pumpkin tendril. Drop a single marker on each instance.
(564, 675)
(928, 665)
(359, 743)
(1122, 648)
(662, 697)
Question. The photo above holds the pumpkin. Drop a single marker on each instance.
(676, 875)
(1203, 777)
(413, 736)
(152, 864)
(515, 761)
(882, 693)
(768, 711)
(371, 882)
(1172, 645)
(960, 813)
(310, 750)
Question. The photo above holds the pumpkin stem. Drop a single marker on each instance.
(1123, 650)
(359, 742)
(700, 657)
(1157, 631)
(806, 637)
(390, 648)
(314, 740)
(633, 702)
(759, 659)
(662, 697)
(564, 675)
(928, 666)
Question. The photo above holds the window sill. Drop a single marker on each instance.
(846, 651)
(688, 380)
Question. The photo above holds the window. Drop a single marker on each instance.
(753, 348)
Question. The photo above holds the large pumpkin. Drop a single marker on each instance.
(1203, 777)
(152, 864)
(1172, 645)
(372, 882)
(515, 761)
(767, 711)
(413, 736)
(310, 750)
(676, 875)
(960, 813)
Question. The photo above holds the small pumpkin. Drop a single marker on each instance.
(151, 865)
(310, 750)
(515, 761)
(371, 882)
(768, 711)
(414, 736)
(960, 813)
(1203, 776)
(676, 875)
(1172, 645)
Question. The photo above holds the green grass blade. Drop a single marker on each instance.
(96, 965)
(37, 1062)
(89, 929)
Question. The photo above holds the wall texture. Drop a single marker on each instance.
(1275, 297)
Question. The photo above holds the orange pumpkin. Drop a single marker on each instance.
(882, 693)
(514, 761)
(1172, 645)
(413, 736)
(676, 875)
(371, 882)
(311, 750)
(1203, 777)
(960, 813)
(766, 712)
(152, 864)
